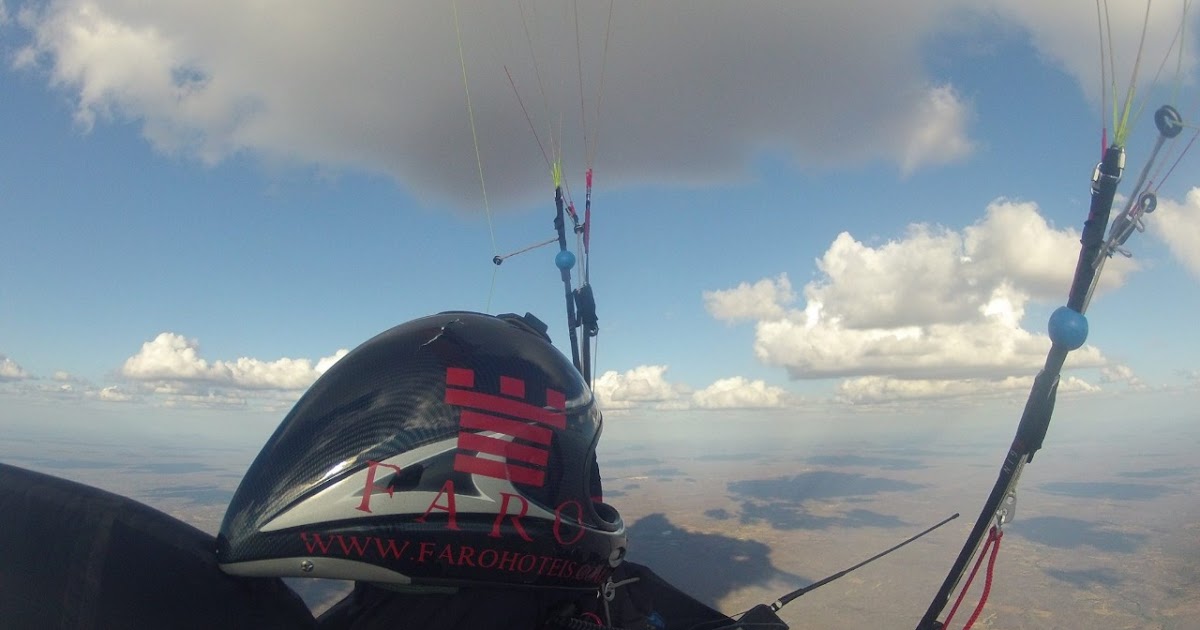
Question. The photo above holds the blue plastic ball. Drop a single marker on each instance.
(1068, 328)
(564, 260)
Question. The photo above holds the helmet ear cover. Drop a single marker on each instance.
(456, 449)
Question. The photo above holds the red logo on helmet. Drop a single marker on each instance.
(518, 451)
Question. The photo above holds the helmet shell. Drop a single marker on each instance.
(455, 449)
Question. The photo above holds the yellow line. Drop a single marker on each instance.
(487, 209)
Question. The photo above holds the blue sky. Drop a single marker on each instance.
(795, 208)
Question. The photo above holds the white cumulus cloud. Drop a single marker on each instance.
(867, 390)
(1123, 374)
(642, 384)
(936, 313)
(739, 393)
(114, 393)
(938, 275)
(765, 299)
(647, 386)
(11, 371)
(1178, 225)
(171, 358)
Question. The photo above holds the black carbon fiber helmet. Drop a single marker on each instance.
(456, 449)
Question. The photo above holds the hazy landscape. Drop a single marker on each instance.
(740, 510)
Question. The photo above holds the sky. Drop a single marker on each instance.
(820, 208)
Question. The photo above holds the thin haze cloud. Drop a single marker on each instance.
(382, 90)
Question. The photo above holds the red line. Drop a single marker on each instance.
(508, 407)
(484, 422)
(556, 399)
(498, 470)
(504, 448)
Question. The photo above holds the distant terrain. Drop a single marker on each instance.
(1106, 535)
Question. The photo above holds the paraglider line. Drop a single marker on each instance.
(542, 148)
(496, 260)
(487, 209)
(783, 601)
